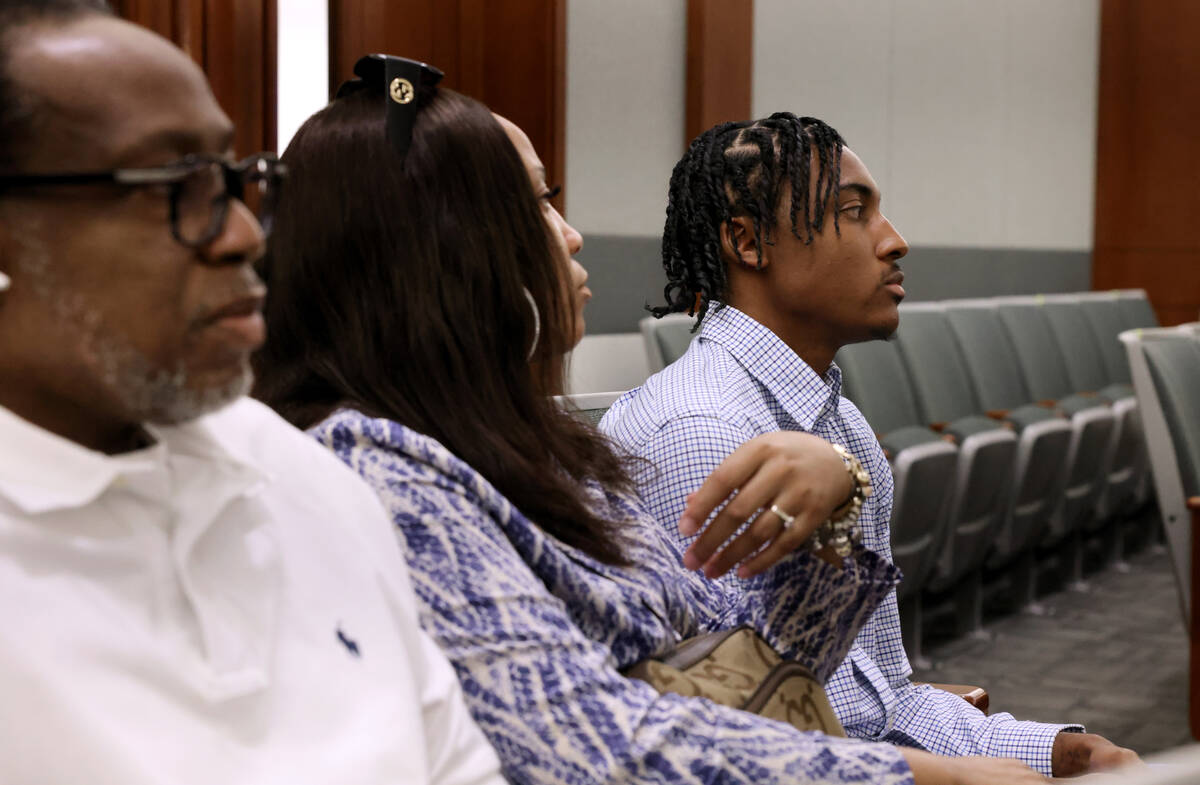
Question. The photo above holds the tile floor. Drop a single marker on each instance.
(1114, 658)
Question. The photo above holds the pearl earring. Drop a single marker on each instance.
(5, 283)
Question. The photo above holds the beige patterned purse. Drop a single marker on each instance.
(738, 668)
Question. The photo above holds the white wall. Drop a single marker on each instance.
(626, 66)
(977, 119)
(303, 63)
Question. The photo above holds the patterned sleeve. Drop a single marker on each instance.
(806, 608)
(549, 697)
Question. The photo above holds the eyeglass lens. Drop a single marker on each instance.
(202, 199)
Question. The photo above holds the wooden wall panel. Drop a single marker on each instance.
(509, 54)
(1148, 156)
(720, 63)
(234, 41)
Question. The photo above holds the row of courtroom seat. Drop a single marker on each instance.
(1003, 444)
(1044, 432)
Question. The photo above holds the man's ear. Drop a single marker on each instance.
(739, 243)
(5, 255)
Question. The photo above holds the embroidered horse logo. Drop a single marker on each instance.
(350, 644)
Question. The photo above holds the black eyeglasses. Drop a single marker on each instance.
(199, 188)
(407, 84)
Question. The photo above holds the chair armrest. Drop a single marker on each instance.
(1193, 504)
(976, 696)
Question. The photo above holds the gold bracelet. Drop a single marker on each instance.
(841, 529)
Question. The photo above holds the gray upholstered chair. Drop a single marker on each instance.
(589, 407)
(1085, 367)
(1043, 370)
(923, 467)
(1107, 319)
(1165, 365)
(666, 338)
(995, 370)
(1038, 443)
(1136, 308)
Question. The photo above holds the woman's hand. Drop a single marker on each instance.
(797, 472)
(930, 769)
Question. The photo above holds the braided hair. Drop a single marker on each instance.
(739, 169)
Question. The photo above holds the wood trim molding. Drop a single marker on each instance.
(720, 63)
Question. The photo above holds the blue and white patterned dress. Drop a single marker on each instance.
(537, 630)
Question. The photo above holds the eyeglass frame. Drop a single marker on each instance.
(406, 85)
(267, 166)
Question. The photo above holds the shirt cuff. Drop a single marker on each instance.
(1031, 742)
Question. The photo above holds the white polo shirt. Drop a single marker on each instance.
(227, 606)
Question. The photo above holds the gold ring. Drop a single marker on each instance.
(783, 516)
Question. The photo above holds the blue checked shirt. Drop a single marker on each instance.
(739, 380)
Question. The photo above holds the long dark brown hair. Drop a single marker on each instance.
(397, 288)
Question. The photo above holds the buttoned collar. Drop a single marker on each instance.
(41, 471)
(800, 390)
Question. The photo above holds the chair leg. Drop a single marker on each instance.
(911, 630)
(1072, 552)
(968, 607)
(1158, 533)
(1114, 547)
(1024, 574)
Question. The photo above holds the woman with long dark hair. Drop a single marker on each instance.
(422, 301)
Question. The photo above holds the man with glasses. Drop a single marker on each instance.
(192, 590)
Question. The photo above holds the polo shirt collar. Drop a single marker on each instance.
(41, 471)
(800, 390)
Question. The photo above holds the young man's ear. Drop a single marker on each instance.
(740, 245)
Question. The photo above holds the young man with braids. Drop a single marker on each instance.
(775, 241)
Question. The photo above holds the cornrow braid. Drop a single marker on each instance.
(739, 169)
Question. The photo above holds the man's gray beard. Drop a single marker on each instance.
(158, 396)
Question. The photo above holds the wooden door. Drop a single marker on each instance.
(509, 54)
(1148, 154)
(234, 42)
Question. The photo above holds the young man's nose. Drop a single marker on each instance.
(892, 244)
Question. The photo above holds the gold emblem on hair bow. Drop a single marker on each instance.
(401, 90)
